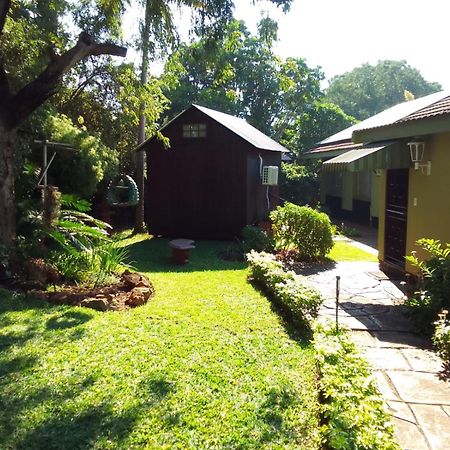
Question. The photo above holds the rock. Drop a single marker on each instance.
(139, 296)
(100, 304)
(135, 279)
(37, 270)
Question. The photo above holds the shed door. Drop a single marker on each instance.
(396, 216)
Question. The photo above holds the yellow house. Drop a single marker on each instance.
(397, 165)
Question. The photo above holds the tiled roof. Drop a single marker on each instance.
(439, 108)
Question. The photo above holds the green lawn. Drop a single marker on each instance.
(205, 364)
(343, 251)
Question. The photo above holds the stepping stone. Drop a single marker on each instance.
(361, 323)
(435, 423)
(422, 360)
(363, 339)
(420, 387)
(384, 386)
(397, 339)
(387, 359)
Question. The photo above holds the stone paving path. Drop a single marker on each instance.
(404, 367)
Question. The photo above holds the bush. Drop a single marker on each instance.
(434, 277)
(441, 339)
(302, 228)
(256, 239)
(285, 288)
(353, 409)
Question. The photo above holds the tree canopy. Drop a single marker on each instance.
(243, 76)
(368, 90)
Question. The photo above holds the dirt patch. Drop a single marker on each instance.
(133, 289)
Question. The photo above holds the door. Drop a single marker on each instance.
(396, 216)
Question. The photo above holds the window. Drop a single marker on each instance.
(194, 130)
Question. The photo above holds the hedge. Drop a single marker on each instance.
(353, 410)
(285, 288)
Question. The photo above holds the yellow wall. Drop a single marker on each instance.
(428, 199)
(429, 196)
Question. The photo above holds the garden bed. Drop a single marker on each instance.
(133, 289)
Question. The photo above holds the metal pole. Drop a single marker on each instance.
(45, 163)
(338, 285)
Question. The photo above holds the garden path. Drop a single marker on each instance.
(406, 371)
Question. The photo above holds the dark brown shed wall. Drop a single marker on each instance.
(256, 192)
(198, 187)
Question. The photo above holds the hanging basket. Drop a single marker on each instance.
(122, 191)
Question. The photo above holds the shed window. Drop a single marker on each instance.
(194, 130)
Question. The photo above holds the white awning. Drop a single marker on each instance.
(388, 155)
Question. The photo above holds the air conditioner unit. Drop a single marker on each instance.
(270, 175)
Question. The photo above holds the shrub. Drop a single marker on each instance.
(441, 339)
(285, 288)
(256, 239)
(302, 228)
(353, 411)
(434, 292)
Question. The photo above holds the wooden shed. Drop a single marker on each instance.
(208, 184)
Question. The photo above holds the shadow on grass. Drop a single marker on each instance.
(86, 425)
(295, 330)
(68, 319)
(154, 255)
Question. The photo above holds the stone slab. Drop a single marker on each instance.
(423, 360)
(401, 411)
(399, 339)
(435, 424)
(420, 387)
(384, 386)
(409, 436)
(362, 323)
(387, 359)
(363, 339)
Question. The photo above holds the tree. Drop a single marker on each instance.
(17, 106)
(243, 77)
(368, 90)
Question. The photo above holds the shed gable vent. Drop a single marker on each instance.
(270, 175)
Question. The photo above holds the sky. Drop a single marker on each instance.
(339, 35)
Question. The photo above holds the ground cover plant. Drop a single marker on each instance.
(353, 408)
(205, 364)
(433, 293)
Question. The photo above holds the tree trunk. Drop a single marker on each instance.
(140, 157)
(7, 193)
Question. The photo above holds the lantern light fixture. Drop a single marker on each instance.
(417, 151)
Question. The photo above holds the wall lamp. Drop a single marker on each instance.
(416, 151)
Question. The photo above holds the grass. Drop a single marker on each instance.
(205, 364)
(343, 251)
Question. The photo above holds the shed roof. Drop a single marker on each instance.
(243, 129)
(235, 124)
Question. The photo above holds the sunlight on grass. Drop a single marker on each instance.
(343, 251)
(205, 364)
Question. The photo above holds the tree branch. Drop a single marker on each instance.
(39, 90)
(4, 8)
